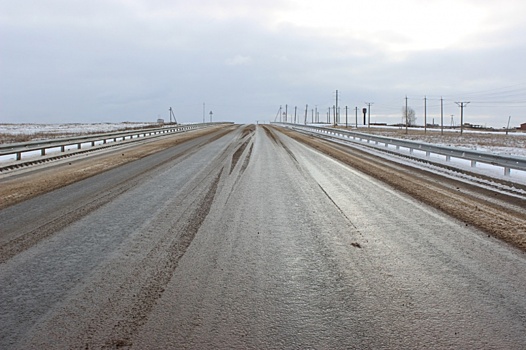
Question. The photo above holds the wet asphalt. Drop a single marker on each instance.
(282, 248)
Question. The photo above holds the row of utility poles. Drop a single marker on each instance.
(315, 115)
(172, 114)
(461, 104)
(283, 115)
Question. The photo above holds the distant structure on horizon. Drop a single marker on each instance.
(523, 126)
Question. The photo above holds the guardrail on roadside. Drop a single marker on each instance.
(506, 162)
(44, 145)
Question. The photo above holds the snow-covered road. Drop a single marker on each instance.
(253, 240)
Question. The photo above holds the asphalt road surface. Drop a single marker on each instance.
(251, 241)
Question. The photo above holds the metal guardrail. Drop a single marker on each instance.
(44, 145)
(506, 162)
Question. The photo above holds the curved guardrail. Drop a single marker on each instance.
(44, 145)
(506, 162)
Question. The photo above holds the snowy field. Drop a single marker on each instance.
(26, 132)
(493, 142)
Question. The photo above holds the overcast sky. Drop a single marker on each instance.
(66, 61)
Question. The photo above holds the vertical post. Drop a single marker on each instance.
(306, 111)
(425, 114)
(295, 109)
(346, 120)
(336, 119)
(406, 116)
(461, 104)
(211, 116)
(356, 117)
(508, 127)
(204, 112)
(286, 113)
(441, 116)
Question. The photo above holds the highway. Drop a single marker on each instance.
(249, 239)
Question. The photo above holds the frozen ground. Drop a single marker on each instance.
(495, 142)
(27, 132)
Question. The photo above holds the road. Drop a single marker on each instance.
(251, 240)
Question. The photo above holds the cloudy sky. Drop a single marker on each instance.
(130, 60)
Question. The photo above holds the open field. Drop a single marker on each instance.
(11, 133)
(495, 142)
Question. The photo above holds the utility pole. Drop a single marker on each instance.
(425, 114)
(295, 109)
(286, 113)
(336, 119)
(441, 116)
(329, 116)
(312, 115)
(406, 116)
(334, 116)
(462, 105)
(279, 113)
(346, 122)
(172, 114)
(203, 112)
(369, 113)
(306, 112)
(211, 116)
(508, 127)
(356, 117)
(316, 116)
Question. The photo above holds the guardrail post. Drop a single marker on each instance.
(507, 171)
(473, 163)
(43, 152)
(448, 158)
(79, 145)
(18, 155)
